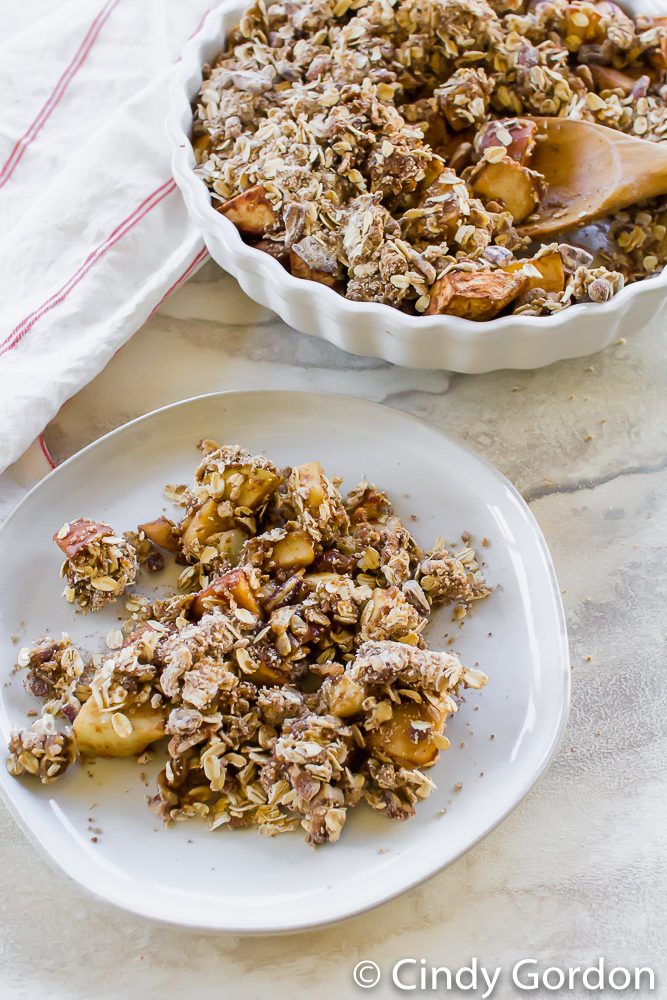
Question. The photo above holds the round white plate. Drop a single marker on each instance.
(237, 880)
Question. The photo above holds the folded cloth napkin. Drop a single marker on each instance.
(93, 231)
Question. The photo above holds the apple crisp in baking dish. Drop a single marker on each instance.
(383, 147)
(289, 667)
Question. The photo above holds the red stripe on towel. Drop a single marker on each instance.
(45, 451)
(204, 16)
(139, 213)
(60, 88)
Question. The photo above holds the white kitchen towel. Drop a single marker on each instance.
(93, 231)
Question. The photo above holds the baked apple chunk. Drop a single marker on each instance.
(161, 532)
(229, 591)
(103, 732)
(476, 295)
(300, 269)
(516, 188)
(515, 135)
(550, 274)
(251, 212)
(230, 486)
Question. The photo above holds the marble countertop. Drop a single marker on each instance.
(579, 870)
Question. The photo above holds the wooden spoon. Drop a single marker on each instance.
(591, 171)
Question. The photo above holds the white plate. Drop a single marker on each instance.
(237, 880)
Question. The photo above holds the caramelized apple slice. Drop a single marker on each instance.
(606, 78)
(278, 251)
(515, 187)
(300, 269)
(582, 24)
(310, 476)
(345, 696)
(231, 585)
(374, 506)
(259, 484)
(658, 57)
(251, 212)
(552, 273)
(588, 23)
(231, 542)
(294, 551)
(412, 738)
(244, 485)
(479, 295)
(79, 535)
(267, 676)
(433, 170)
(313, 580)
(521, 133)
(200, 525)
(161, 533)
(203, 144)
(98, 736)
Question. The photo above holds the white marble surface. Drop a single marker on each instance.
(580, 869)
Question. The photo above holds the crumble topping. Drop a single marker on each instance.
(98, 564)
(41, 751)
(290, 675)
(383, 147)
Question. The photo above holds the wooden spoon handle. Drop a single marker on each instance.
(643, 172)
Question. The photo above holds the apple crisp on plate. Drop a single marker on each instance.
(289, 667)
(384, 147)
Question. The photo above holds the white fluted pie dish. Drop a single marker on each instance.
(371, 329)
